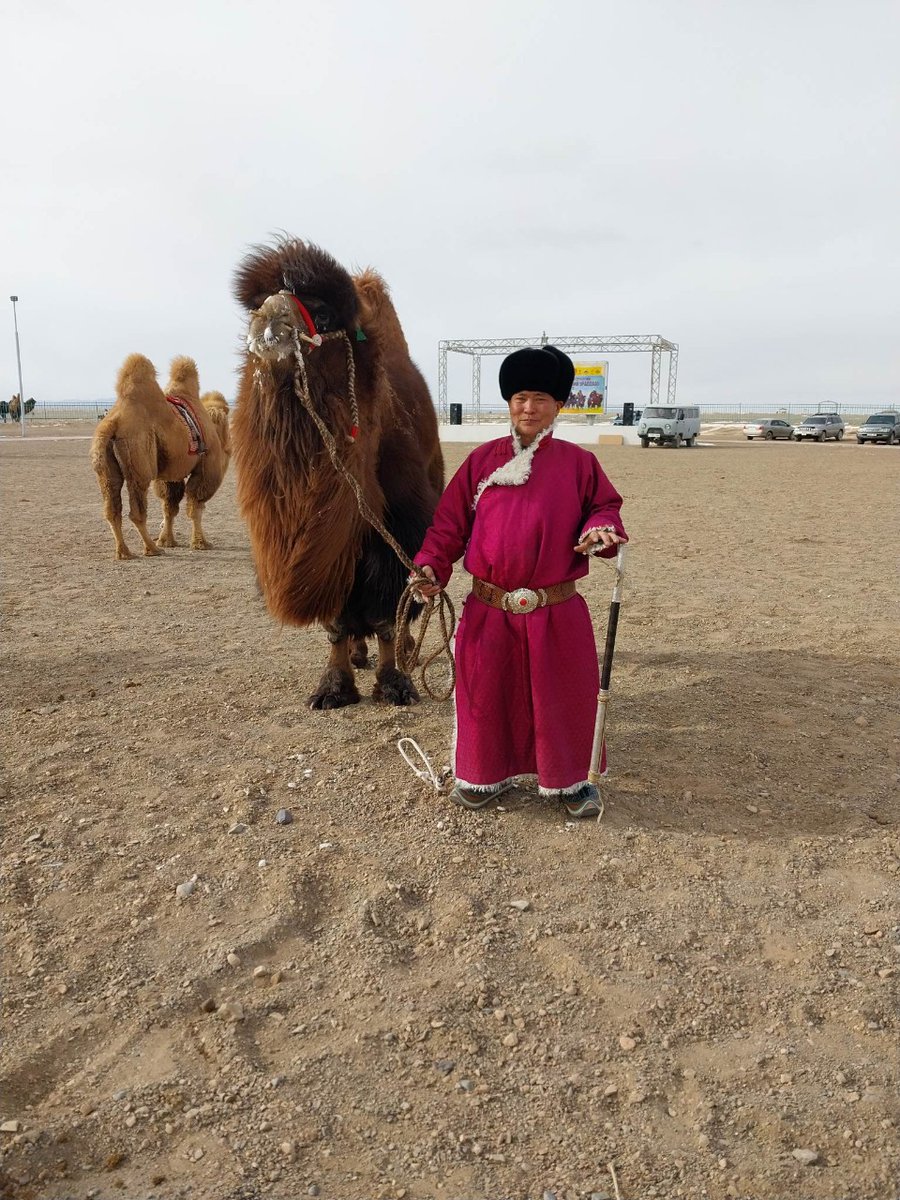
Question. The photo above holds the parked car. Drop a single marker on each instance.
(819, 427)
(769, 429)
(880, 427)
(673, 426)
(636, 416)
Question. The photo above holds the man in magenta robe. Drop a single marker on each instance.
(525, 511)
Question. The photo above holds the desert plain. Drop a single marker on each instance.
(388, 997)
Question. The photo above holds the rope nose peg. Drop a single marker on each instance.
(312, 337)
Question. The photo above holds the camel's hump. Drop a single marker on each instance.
(135, 371)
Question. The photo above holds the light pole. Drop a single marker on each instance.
(19, 362)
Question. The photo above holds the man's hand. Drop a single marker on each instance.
(426, 590)
(596, 539)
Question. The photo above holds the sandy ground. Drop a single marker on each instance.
(701, 989)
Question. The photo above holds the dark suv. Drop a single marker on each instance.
(820, 427)
(880, 427)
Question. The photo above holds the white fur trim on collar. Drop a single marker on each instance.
(515, 472)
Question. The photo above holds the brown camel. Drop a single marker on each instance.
(14, 408)
(144, 438)
(318, 335)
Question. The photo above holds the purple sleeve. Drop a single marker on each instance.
(602, 504)
(448, 536)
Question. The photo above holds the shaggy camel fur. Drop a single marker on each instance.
(144, 439)
(14, 408)
(317, 559)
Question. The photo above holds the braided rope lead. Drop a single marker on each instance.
(407, 661)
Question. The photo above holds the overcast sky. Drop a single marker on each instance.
(724, 174)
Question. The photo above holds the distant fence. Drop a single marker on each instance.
(747, 412)
(67, 410)
(709, 413)
(93, 410)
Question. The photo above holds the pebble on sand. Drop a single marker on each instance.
(807, 1157)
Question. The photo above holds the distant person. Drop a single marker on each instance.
(525, 510)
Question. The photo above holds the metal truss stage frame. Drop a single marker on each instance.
(630, 343)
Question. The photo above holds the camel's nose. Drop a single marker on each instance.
(269, 337)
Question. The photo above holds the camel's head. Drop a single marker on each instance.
(293, 290)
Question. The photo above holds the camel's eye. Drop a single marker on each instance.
(323, 314)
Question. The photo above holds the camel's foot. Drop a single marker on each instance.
(359, 653)
(151, 550)
(393, 687)
(123, 554)
(336, 690)
(167, 540)
(200, 544)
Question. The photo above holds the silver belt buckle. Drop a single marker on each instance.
(523, 600)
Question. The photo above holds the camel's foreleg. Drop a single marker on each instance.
(359, 653)
(391, 685)
(337, 687)
(137, 513)
(170, 494)
(195, 512)
(111, 481)
(201, 486)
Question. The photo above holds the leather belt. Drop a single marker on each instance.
(522, 600)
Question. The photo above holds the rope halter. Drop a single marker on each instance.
(290, 331)
(313, 337)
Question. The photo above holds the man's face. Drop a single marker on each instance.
(531, 413)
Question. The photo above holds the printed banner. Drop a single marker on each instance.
(588, 394)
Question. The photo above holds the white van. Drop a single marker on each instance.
(675, 425)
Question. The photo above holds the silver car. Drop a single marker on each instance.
(880, 427)
(769, 429)
(820, 427)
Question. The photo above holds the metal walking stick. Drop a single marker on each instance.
(606, 669)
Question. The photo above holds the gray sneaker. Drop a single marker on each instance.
(585, 802)
(473, 799)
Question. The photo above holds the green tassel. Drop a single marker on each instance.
(360, 336)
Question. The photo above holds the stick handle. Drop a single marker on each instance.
(606, 668)
(599, 727)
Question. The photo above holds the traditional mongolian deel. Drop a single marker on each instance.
(527, 674)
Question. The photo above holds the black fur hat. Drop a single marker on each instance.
(537, 369)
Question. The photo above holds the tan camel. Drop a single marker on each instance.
(144, 438)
